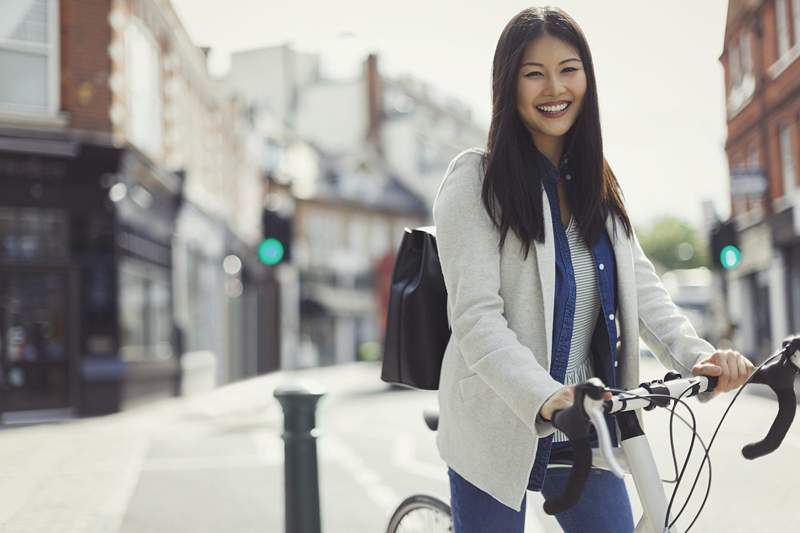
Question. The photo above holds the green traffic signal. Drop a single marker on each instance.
(730, 257)
(270, 252)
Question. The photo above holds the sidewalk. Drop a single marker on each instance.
(74, 476)
(78, 476)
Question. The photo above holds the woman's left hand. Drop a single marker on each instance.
(732, 368)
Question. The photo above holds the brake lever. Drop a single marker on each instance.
(594, 408)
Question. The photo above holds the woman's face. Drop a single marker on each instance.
(551, 73)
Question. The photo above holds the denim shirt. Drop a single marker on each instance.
(564, 306)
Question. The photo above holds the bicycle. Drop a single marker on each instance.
(777, 371)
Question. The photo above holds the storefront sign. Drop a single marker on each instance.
(751, 183)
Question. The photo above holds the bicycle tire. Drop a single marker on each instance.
(420, 507)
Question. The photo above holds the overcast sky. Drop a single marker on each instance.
(660, 82)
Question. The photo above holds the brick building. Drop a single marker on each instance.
(762, 82)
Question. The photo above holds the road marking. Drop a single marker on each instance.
(333, 449)
(404, 456)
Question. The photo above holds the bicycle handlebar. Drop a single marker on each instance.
(574, 423)
(588, 408)
(779, 376)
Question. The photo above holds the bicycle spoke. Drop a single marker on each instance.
(424, 520)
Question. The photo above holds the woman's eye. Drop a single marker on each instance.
(568, 69)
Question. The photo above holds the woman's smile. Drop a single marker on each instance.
(554, 110)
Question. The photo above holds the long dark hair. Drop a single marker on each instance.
(512, 185)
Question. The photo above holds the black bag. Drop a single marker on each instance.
(417, 330)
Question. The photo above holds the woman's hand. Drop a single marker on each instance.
(561, 399)
(732, 368)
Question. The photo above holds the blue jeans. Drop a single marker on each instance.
(602, 508)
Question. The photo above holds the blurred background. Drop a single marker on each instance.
(194, 193)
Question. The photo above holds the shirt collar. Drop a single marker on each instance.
(549, 171)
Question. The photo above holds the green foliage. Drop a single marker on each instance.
(674, 243)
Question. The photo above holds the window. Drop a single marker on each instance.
(752, 157)
(734, 66)
(740, 73)
(796, 17)
(379, 238)
(143, 78)
(746, 53)
(788, 162)
(740, 204)
(782, 27)
(145, 311)
(33, 234)
(29, 56)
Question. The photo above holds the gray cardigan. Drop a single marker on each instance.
(495, 372)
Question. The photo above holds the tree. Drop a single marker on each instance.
(673, 243)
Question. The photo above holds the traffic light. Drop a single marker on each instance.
(276, 247)
(724, 244)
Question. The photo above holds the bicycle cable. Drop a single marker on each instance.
(695, 434)
(668, 525)
(714, 436)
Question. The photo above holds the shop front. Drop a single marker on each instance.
(78, 222)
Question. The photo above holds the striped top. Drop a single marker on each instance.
(587, 304)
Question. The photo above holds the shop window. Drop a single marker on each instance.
(145, 311)
(33, 234)
(29, 56)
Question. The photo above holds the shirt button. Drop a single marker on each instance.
(601, 266)
(611, 316)
(568, 176)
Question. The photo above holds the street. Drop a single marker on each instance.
(213, 462)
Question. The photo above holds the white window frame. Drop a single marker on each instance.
(781, 27)
(788, 161)
(740, 73)
(789, 55)
(53, 51)
(796, 20)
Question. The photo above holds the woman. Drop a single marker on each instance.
(544, 305)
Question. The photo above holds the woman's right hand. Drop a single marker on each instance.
(561, 399)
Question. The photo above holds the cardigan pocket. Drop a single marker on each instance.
(472, 386)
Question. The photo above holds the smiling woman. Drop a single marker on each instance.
(562, 297)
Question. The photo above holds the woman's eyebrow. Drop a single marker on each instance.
(540, 65)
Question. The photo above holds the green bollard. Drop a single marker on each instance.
(301, 481)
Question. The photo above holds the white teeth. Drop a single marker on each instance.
(553, 109)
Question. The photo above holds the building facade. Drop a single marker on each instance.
(129, 211)
(762, 82)
(360, 159)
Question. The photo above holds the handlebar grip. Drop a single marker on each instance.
(779, 375)
(712, 383)
(577, 478)
(575, 424)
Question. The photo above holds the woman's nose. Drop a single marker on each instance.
(554, 86)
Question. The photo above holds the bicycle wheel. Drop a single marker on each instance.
(421, 513)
